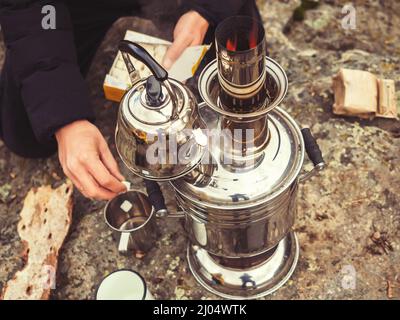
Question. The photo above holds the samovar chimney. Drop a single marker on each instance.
(242, 75)
(240, 47)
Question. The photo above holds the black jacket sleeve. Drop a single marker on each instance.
(214, 11)
(44, 65)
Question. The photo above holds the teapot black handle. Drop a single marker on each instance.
(142, 55)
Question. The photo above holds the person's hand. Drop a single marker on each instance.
(190, 30)
(86, 159)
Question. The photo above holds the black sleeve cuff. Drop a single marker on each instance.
(215, 11)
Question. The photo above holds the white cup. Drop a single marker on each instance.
(123, 284)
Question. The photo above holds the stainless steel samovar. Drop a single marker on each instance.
(244, 157)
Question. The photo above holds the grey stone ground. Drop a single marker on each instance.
(338, 212)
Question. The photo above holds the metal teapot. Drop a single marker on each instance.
(159, 132)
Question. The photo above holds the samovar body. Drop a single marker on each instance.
(240, 202)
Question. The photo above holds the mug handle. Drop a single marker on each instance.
(123, 243)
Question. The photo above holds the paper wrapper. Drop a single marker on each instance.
(356, 93)
(362, 94)
(387, 99)
(117, 81)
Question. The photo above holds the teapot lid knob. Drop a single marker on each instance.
(154, 94)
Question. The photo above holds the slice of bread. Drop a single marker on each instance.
(45, 220)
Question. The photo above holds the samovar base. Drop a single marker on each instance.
(245, 283)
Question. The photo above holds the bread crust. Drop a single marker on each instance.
(46, 217)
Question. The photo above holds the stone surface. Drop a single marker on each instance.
(342, 214)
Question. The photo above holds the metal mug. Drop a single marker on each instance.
(123, 284)
(131, 216)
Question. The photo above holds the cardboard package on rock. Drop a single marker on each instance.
(361, 94)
